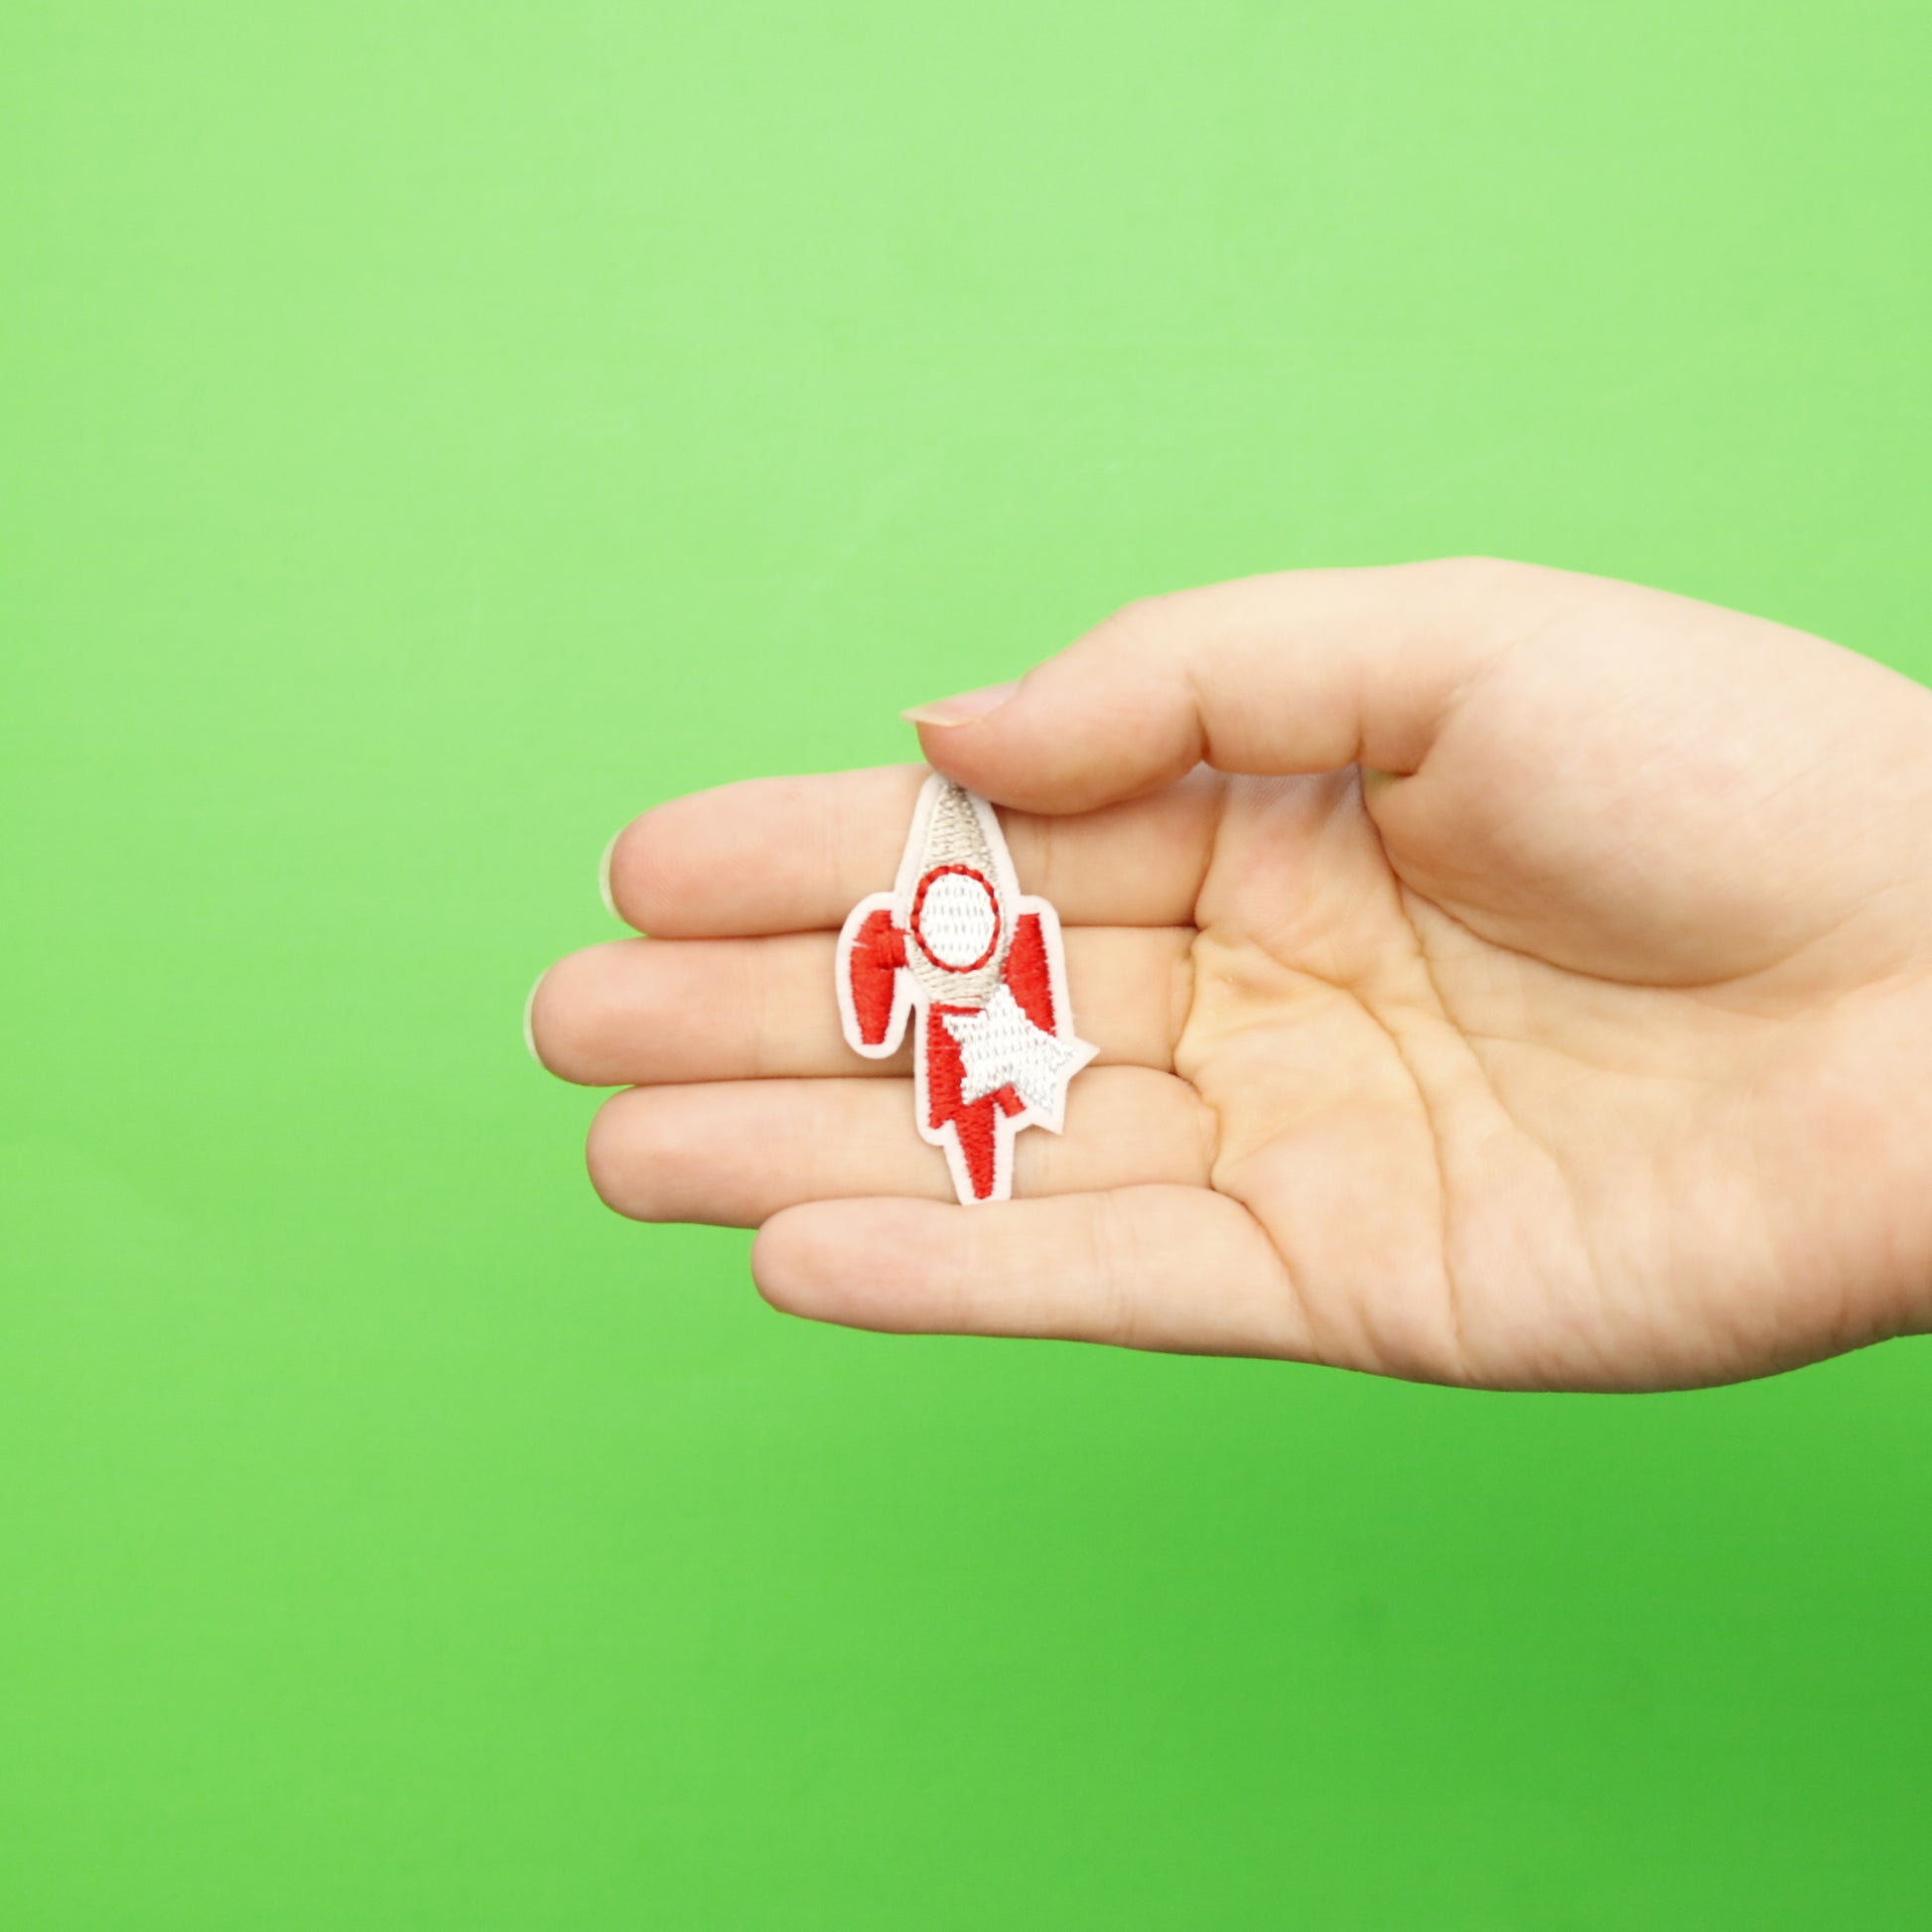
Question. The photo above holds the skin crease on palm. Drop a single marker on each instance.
(1502, 977)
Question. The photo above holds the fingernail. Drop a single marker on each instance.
(604, 874)
(962, 710)
(530, 1007)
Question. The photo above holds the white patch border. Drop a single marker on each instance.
(909, 998)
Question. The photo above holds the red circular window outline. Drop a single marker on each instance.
(993, 898)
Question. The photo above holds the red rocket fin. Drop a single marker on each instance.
(1027, 975)
(878, 955)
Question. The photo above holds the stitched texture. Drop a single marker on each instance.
(955, 918)
(1002, 1047)
(983, 966)
(875, 962)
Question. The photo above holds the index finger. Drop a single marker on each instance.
(796, 855)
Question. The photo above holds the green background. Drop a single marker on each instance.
(434, 433)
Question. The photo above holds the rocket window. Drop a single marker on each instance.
(955, 919)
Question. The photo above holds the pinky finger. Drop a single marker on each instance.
(1148, 1267)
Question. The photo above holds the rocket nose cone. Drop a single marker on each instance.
(956, 836)
(957, 883)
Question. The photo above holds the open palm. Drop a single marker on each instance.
(1499, 976)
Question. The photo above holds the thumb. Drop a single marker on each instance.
(1304, 671)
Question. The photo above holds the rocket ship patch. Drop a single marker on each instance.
(978, 969)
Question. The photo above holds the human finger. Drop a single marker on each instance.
(650, 1012)
(1299, 673)
(1148, 1266)
(796, 855)
(734, 1153)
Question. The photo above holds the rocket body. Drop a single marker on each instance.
(956, 951)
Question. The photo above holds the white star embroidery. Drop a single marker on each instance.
(1002, 1047)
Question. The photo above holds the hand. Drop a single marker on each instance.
(1500, 976)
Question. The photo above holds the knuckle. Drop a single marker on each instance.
(1180, 994)
(1205, 1122)
(1134, 625)
(1473, 580)
(1109, 1251)
(1468, 565)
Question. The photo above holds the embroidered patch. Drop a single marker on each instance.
(981, 965)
